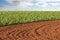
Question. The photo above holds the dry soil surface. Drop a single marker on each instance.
(45, 30)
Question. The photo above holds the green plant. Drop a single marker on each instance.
(14, 17)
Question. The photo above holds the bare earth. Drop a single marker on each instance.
(46, 30)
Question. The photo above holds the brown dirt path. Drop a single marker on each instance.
(47, 30)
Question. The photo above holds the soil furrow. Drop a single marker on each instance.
(45, 30)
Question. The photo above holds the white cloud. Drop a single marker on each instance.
(42, 4)
(20, 3)
(24, 4)
(55, 0)
(17, 2)
(48, 0)
(55, 4)
(13, 2)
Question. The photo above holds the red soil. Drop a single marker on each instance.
(47, 30)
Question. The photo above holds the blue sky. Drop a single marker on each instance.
(29, 4)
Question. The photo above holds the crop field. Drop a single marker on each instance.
(15, 25)
(17, 17)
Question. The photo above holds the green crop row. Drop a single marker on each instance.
(15, 17)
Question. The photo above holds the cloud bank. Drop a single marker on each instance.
(31, 4)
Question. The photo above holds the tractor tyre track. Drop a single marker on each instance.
(45, 30)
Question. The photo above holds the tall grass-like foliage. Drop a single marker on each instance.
(15, 17)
